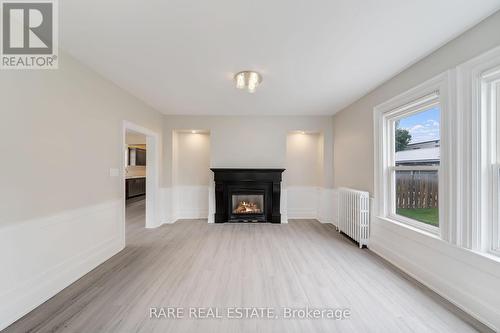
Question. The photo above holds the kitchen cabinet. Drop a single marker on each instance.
(140, 157)
(136, 157)
(135, 187)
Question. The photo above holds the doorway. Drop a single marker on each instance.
(140, 181)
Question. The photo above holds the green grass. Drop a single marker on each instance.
(425, 215)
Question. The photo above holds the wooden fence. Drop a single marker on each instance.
(417, 189)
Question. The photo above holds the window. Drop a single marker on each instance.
(496, 171)
(495, 239)
(437, 156)
(408, 135)
(490, 143)
(413, 163)
(476, 182)
(416, 165)
(496, 222)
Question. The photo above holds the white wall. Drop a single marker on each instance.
(191, 174)
(133, 138)
(304, 176)
(246, 142)
(465, 278)
(192, 159)
(304, 159)
(60, 211)
(353, 126)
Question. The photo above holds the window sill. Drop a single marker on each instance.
(414, 225)
(424, 232)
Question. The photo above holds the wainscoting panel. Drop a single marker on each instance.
(310, 202)
(283, 204)
(466, 279)
(40, 257)
(297, 202)
(183, 202)
(328, 206)
(302, 202)
(166, 206)
(190, 202)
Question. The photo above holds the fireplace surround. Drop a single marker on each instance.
(247, 195)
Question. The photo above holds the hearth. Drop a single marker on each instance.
(247, 195)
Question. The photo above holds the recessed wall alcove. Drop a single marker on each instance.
(305, 173)
(190, 173)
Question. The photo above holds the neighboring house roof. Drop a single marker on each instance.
(423, 144)
(418, 155)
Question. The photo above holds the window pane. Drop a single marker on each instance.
(496, 226)
(417, 196)
(498, 122)
(417, 143)
(417, 138)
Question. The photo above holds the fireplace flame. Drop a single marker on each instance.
(245, 207)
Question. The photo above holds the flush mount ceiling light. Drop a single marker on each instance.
(248, 80)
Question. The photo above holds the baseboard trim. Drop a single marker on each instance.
(191, 214)
(326, 220)
(295, 214)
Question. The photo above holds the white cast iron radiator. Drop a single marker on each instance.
(354, 214)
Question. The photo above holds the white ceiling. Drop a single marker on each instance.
(315, 56)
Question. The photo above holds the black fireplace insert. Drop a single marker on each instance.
(247, 195)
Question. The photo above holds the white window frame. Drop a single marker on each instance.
(476, 81)
(495, 240)
(494, 246)
(490, 147)
(432, 92)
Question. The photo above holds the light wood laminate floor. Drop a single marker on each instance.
(195, 264)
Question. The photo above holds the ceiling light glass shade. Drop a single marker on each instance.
(248, 80)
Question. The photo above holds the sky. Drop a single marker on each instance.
(423, 126)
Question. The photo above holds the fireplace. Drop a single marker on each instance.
(247, 195)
